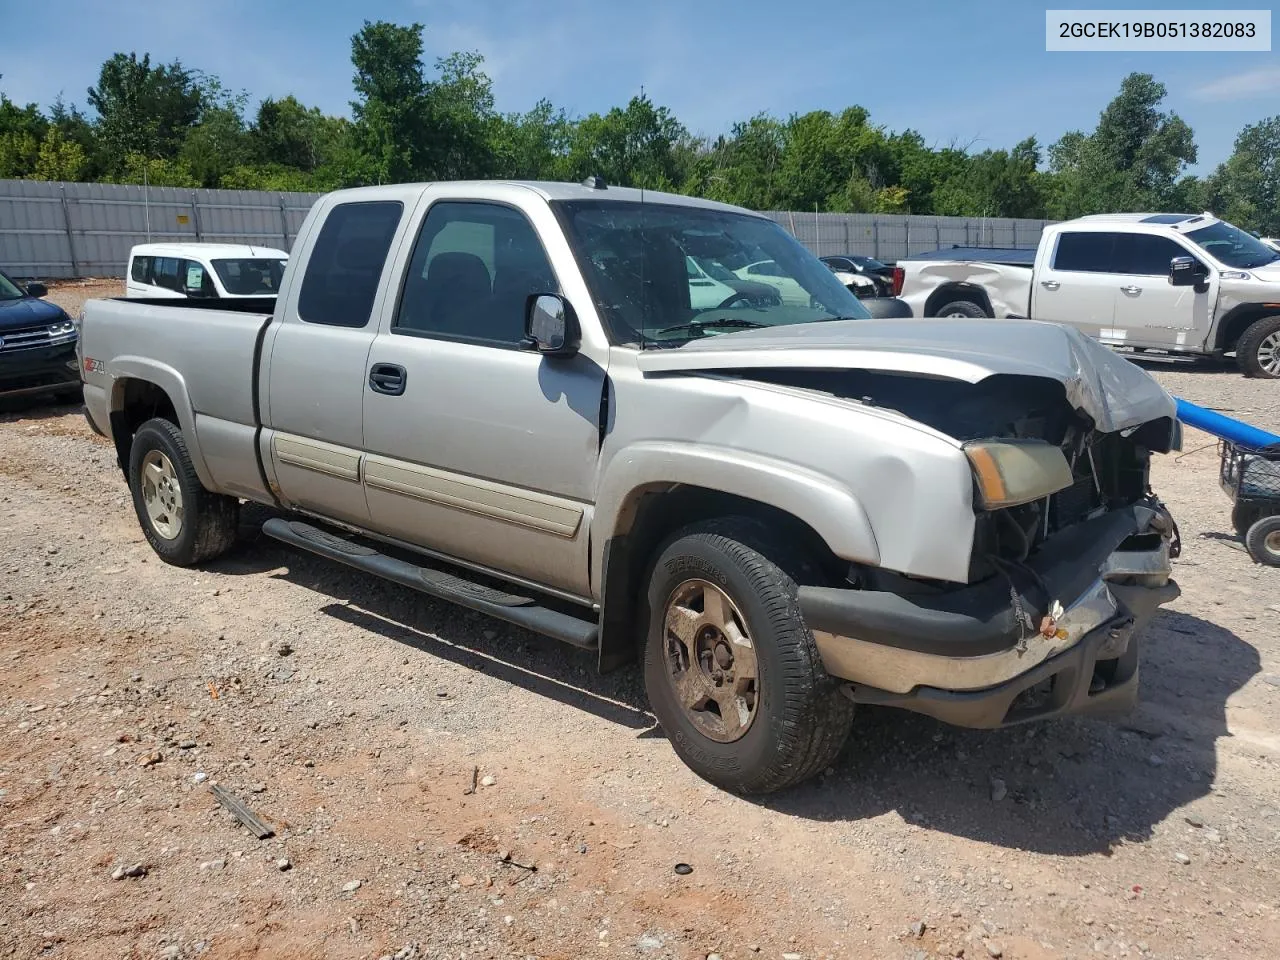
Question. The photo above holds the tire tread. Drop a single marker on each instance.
(815, 722)
(216, 517)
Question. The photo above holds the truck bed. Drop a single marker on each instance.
(1005, 256)
(204, 355)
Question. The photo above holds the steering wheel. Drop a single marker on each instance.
(734, 298)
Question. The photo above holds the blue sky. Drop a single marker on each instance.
(969, 73)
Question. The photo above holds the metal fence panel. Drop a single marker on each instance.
(56, 230)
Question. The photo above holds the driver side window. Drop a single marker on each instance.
(473, 269)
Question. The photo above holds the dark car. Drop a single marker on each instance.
(37, 343)
(880, 274)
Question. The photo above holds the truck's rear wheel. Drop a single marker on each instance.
(184, 523)
(731, 670)
(959, 309)
(1258, 350)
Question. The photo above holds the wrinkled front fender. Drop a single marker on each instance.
(822, 502)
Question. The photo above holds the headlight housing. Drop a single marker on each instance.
(1011, 472)
(62, 328)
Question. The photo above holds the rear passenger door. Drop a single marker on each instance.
(1077, 284)
(476, 446)
(315, 358)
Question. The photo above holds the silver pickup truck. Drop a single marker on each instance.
(499, 394)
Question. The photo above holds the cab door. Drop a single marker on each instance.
(315, 356)
(477, 446)
(1149, 310)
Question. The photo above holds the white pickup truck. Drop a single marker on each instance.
(1179, 282)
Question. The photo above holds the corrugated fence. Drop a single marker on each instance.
(56, 230)
(890, 238)
(59, 230)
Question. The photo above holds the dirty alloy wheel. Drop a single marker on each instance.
(184, 523)
(961, 309)
(1263, 541)
(1258, 351)
(731, 669)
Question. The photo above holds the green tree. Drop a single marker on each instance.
(59, 158)
(460, 113)
(533, 145)
(1246, 188)
(639, 146)
(1133, 160)
(156, 171)
(144, 109)
(743, 168)
(21, 130)
(390, 113)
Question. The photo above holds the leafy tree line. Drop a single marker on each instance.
(173, 125)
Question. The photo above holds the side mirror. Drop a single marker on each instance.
(550, 325)
(37, 290)
(1187, 272)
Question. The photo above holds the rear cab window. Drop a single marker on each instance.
(1085, 251)
(345, 266)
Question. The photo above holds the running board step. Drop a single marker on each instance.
(521, 611)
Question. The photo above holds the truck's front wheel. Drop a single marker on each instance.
(184, 523)
(1258, 351)
(731, 670)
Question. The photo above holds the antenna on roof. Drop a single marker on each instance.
(595, 182)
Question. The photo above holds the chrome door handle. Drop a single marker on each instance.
(1131, 289)
(1050, 284)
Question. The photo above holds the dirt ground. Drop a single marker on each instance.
(441, 785)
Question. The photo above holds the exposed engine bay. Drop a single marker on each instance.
(1109, 470)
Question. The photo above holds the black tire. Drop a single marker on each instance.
(1263, 541)
(963, 308)
(1258, 350)
(207, 528)
(801, 719)
(1243, 517)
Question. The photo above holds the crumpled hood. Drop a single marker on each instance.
(28, 312)
(1115, 393)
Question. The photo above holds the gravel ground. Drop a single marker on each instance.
(442, 785)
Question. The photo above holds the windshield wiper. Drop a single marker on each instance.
(695, 326)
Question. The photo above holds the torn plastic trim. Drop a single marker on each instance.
(1120, 577)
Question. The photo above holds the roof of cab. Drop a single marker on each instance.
(204, 249)
(552, 190)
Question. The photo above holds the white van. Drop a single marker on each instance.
(208, 270)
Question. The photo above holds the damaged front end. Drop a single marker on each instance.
(1071, 558)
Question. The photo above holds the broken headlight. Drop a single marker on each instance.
(1011, 472)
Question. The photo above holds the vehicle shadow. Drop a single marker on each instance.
(39, 406)
(1168, 362)
(1071, 786)
(539, 664)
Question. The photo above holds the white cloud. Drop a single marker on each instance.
(1240, 86)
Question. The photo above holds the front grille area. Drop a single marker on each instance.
(32, 338)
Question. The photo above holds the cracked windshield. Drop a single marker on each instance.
(665, 275)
